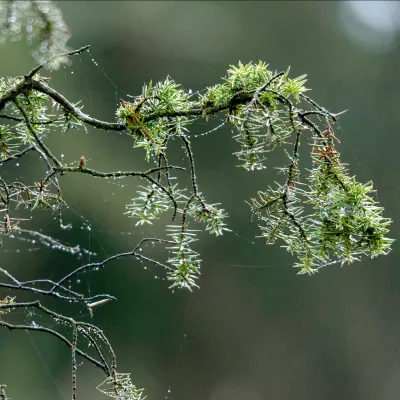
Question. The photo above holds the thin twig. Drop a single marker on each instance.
(69, 53)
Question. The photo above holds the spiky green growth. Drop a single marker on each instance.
(155, 105)
(344, 223)
(211, 216)
(6, 301)
(121, 387)
(149, 204)
(261, 122)
(331, 218)
(184, 260)
(13, 137)
(165, 110)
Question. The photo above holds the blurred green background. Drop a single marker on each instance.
(255, 330)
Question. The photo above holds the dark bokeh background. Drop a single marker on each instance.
(255, 330)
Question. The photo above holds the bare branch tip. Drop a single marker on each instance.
(340, 113)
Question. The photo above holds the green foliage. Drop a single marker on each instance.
(149, 204)
(6, 301)
(344, 221)
(211, 216)
(157, 100)
(260, 121)
(184, 260)
(14, 137)
(328, 217)
(332, 217)
(120, 387)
